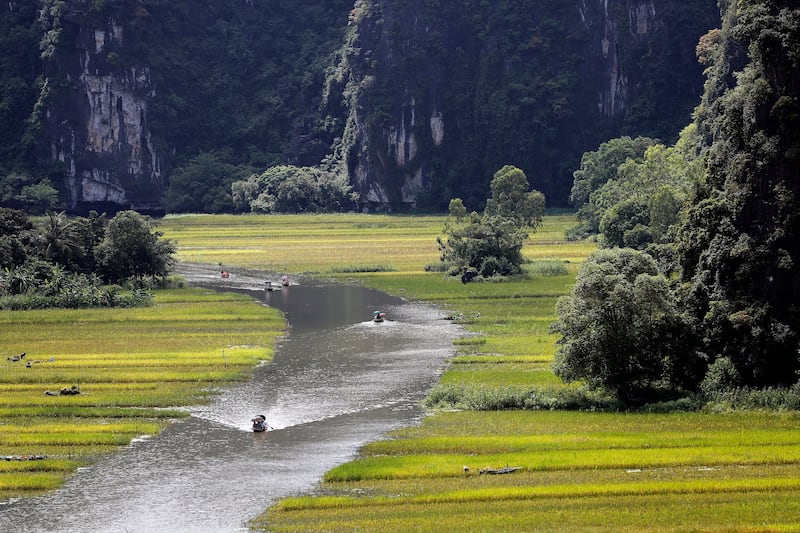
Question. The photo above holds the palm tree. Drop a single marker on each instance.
(62, 243)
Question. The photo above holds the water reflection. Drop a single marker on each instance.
(338, 380)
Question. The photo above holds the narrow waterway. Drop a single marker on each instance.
(338, 380)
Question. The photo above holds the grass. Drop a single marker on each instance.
(131, 366)
(580, 471)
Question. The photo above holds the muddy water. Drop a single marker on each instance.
(338, 380)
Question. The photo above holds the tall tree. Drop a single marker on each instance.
(131, 249)
(740, 246)
(491, 244)
(621, 328)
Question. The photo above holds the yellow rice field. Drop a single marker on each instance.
(129, 366)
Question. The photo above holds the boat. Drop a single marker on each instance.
(260, 424)
(378, 316)
(496, 471)
(272, 286)
(285, 281)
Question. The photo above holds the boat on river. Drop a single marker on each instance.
(378, 316)
(272, 285)
(259, 424)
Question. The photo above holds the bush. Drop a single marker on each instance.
(506, 398)
(721, 377)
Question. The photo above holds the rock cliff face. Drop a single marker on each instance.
(575, 76)
(97, 118)
(424, 101)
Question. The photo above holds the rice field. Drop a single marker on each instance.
(133, 368)
(577, 471)
(333, 243)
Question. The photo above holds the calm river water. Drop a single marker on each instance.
(338, 380)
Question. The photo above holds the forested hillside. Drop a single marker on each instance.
(149, 104)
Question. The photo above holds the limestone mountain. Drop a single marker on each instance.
(415, 101)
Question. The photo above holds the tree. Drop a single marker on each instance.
(491, 244)
(486, 246)
(61, 241)
(131, 249)
(512, 199)
(599, 167)
(17, 239)
(203, 185)
(621, 328)
(740, 245)
(290, 189)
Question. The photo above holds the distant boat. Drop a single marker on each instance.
(378, 316)
(259, 424)
(272, 286)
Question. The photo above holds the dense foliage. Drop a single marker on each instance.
(71, 262)
(622, 328)
(740, 246)
(720, 213)
(289, 189)
(260, 83)
(491, 244)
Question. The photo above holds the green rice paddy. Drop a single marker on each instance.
(132, 367)
(578, 471)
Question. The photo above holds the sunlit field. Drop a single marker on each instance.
(331, 244)
(578, 471)
(132, 368)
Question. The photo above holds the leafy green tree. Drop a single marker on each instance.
(486, 246)
(622, 329)
(24, 191)
(512, 198)
(203, 185)
(740, 246)
(621, 219)
(596, 169)
(491, 244)
(90, 231)
(132, 249)
(290, 189)
(17, 238)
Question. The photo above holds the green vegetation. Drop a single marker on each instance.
(129, 365)
(491, 244)
(718, 214)
(246, 85)
(606, 471)
(288, 189)
(63, 262)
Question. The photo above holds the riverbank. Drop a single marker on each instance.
(579, 471)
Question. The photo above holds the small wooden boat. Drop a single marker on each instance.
(496, 471)
(272, 286)
(260, 424)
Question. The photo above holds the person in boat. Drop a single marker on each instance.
(260, 423)
(285, 280)
(224, 274)
(378, 316)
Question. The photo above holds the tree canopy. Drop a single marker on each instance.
(740, 246)
(621, 327)
(720, 212)
(491, 244)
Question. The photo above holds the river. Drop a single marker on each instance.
(338, 380)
